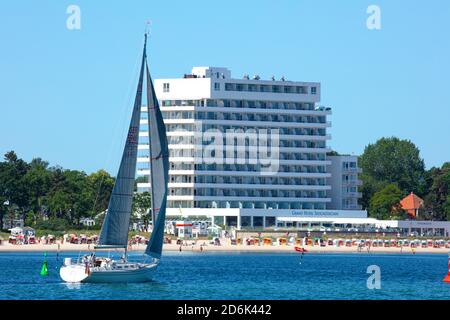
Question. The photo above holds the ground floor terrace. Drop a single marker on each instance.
(355, 221)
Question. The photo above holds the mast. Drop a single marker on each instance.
(115, 227)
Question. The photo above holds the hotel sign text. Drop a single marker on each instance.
(329, 213)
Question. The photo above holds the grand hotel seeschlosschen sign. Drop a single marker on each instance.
(329, 213)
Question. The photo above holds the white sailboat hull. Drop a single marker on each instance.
(78, 273)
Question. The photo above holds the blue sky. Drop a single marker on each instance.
(66, 95)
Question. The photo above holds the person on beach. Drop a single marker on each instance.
(180, 248)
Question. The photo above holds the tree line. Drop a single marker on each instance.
(391, 169)
(54, 198)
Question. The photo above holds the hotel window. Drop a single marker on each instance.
(258, 221)
(246, 221)
(313, 90)
(216, 86)
(270, 222)
(166, 87)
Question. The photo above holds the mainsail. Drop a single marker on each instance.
(117, 220)
(159, 170)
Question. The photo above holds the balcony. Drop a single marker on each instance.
(352, 207)
(351, 170)
(356, 182)
(349, 194)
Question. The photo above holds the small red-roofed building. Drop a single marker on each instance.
(411, 204)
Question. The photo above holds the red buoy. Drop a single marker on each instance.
(447, 278)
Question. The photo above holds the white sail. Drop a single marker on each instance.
(159, 170)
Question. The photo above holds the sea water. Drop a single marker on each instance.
(189, 275)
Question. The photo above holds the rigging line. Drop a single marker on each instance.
(125, 106)
(125, 111)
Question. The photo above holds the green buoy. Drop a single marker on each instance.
(44, 269)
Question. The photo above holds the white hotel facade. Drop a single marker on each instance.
(239, 191)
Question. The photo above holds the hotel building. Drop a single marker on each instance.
(233, 185)
(344, 183)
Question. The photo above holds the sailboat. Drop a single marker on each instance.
(115, 228)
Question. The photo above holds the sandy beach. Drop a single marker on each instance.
(225, 247)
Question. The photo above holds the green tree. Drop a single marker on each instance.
(391, 160)
(52, 224)
(37, 192)
(38, 180)
(333, 153)
(386, 202)
(100, 185)
(69, 197)
(13, 187)
(437, 199)
(3, 195)
(369, 187)
(30, 219)
(141, 207)
(447, 207)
